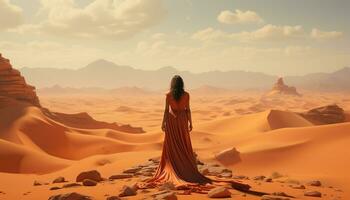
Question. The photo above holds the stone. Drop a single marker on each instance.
(329, 114)
(70, 196)
(92, 175)
(89, 182)
(55, 188)
(259, 178)
(228, 156)
(69, 185)
(273, 197)
(314, 183)
(127, 191)
(219, 192)
(282, 194)
(120, 176)
(59, 180)
(313, 194)
(166, 196)
(301, 187)
(132, 170)
(113, 198)
(269, 180)
(37, 183)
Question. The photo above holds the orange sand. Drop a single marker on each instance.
(35, 147)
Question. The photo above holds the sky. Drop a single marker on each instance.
(279, 37)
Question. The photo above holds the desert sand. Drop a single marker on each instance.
(251, 133)
(39, 145)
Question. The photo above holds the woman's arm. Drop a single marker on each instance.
(166, 113)
(189, 115)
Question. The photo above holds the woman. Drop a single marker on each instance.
(178, 164)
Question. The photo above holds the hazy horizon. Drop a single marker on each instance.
(274, 37)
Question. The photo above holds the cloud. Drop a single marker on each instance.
(239, 17)
(103, 19)
(10, 15)
(268, 32)
(324, 35)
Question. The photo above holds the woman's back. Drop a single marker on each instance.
(181, 104)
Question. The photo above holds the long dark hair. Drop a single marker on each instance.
(177, 87)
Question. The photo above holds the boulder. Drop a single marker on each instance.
(219, 192)
(228, 156)
(92, 175)
(55, 188)
(329, 114)
(70, 196)
(313, 194)
(273, 197)
(315, 183)
(127, 191)
(59, 180)
(113, 198)
(120, 176)
(166, 196)
(69, 185)
(300, 187)
(89, 182)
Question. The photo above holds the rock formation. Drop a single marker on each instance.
(330, 114)
(281, 88)
(13, 86)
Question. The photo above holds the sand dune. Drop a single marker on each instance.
(268, 141)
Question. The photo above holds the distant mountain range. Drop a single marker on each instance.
(108, 75)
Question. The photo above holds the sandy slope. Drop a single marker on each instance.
(31, 142)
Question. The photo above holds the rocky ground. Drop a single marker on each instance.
(137, 175)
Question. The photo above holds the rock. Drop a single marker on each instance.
(282, 194)
(132, 170)
(301, 187)
(113, 198)
(88, 182)
(37, 183)
(329, 114)
(280, 88)
(59, 180)
(229, 156)
(204, 170)
(14, 86)
(166, 196)
(69, 185)
(127, 191)
(241, 177)
(314, 183)
(120, 176)
(273, 197)
(225, 175)
(70, 196)
(269, 180)
(167, 186)
(313, 194)
(55, 188)
(259, 178)
(92, 175)
(219, 192)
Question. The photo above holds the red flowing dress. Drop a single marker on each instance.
(178, 163)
